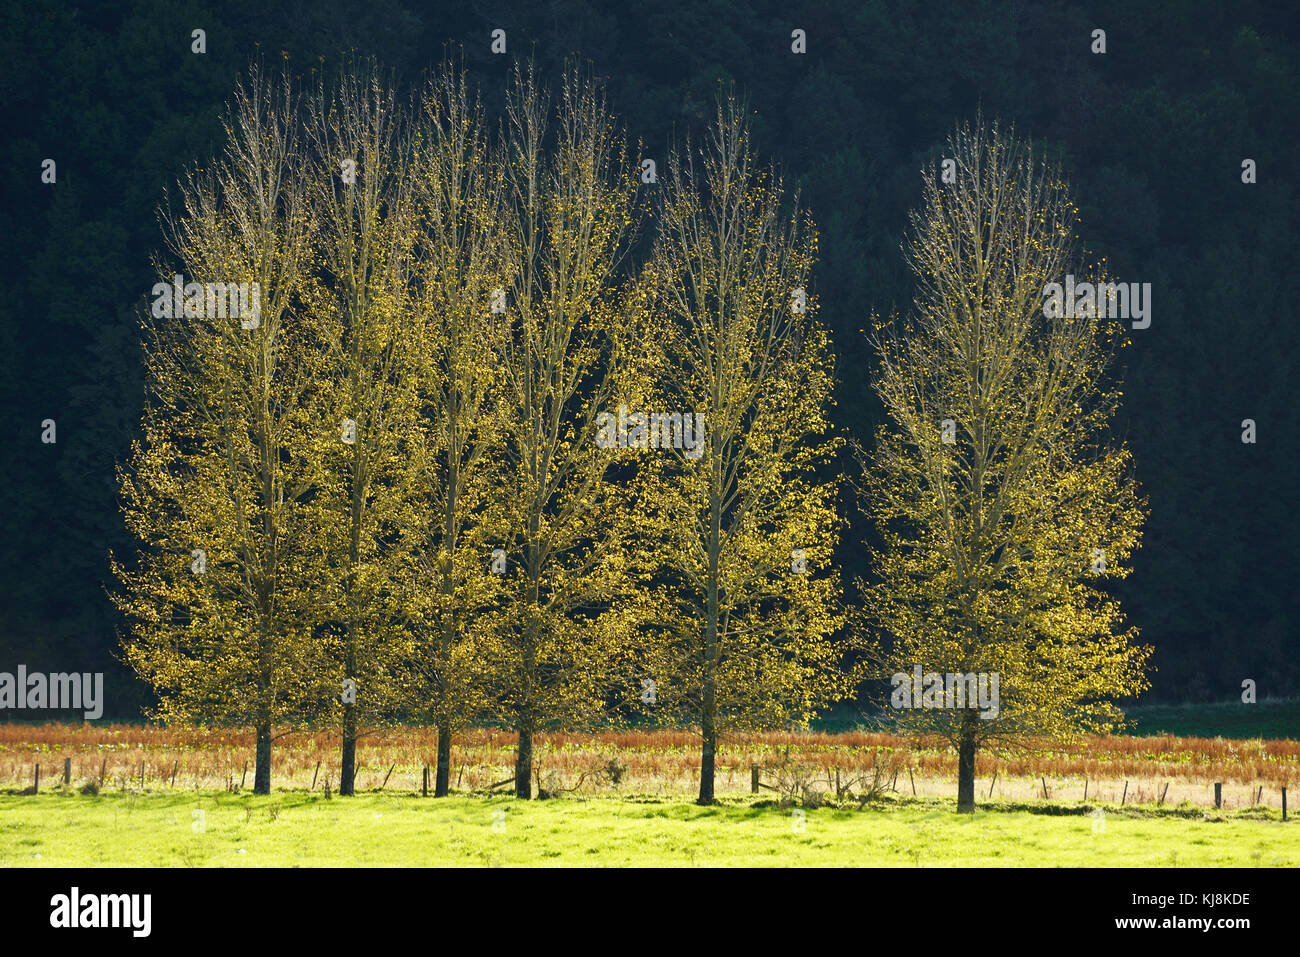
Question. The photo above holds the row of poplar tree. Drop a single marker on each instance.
(386, 497)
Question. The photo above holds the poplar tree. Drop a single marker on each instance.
(566, 609)
(746, 524)
(1002, 501)
(360, 152)
(220, 601)
(460, 276)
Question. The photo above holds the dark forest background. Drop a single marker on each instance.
(1152, 134)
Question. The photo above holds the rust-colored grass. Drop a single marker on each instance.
(653, 761)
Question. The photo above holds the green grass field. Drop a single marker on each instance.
(1270, 719)
(293, 829)
(648, 819)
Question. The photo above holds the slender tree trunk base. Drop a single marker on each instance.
(443, 784)
(262, 770)
(347, 782)
(524, 766)
(966, 774)
(707, 758)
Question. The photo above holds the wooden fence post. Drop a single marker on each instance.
(1284, 804)
(753, 778)
(313, 777)
(1085, 789)
(912, 779)
(36, 788)
(245, 777)
(102, 769)
(1164, 792)
(1124, 795)
(995, 781)
(1218, 794)
(67, 771)
(142, 775)
(175, 767)
(1045, 794)
(424, 788)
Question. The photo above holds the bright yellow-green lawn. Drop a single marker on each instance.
(296, 829)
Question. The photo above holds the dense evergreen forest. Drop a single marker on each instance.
(1153, 134)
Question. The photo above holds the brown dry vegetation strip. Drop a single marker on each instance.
(209, 756)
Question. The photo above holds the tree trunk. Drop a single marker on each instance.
(709, 711)
(707, 755)
(524, 765)
(443, 783)
(347, 783)
(524, 755)
(262, 771)
(966, 768)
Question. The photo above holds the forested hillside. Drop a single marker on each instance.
(1152, 134)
